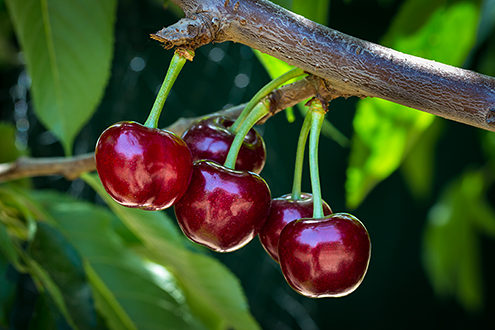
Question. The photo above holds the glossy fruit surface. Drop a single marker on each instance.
(325, 257)
(223, 209)
(211, 139)
(284, 210)
(143, 167)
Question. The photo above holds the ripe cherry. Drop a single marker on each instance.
(143, 167)
(211, 139)
(283, 210)
(223, 209)
(325, 257)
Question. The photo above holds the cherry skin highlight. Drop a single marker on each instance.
(325, 257)
(223, 209)
(143, 167)
(284, 210)
(210, 139)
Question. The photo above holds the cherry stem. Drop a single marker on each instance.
(301, 145)
(258, 112)
(264, 91)
(178, 60)
(317, 118)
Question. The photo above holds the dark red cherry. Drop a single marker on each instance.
(211, 139)
(283, 210)
(223, 209)
(325, 257)
(143, 167)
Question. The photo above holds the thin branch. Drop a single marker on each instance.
(72, 167)
(350, 65)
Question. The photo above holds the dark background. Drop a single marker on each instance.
(395, 292)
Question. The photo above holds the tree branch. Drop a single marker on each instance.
(72, 167)
(351, 66)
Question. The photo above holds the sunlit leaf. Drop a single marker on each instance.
(451, 246)
(211, 290)
(67, 45)
(44, 317)
(129, 292)
(384, 132)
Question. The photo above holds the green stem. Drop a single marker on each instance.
(317, 118)
(264, 91)
(259, 111)
(298, 168)
(173, 71)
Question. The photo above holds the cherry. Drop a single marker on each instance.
(211, 139)
(325, 257)
(223, 209)
(143, 167)
(283, 210)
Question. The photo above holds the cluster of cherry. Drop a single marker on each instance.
(223, 207)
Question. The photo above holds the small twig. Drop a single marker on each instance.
(72, 167)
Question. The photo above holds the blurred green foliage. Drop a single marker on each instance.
(385, 132)
(452, 239)
(75, 259)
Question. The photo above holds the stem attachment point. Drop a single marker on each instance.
(180, 57)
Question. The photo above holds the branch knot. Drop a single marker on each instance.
(191, 33)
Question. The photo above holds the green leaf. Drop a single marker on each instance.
(211, 290)
(7, 291)
(451, 247)
(129, 292)
(284, 3)
(487, 21)
(8, 248)
(273, 66)
(8, 149)
(41, 276)
(43, 316)
(419, 163)
(385, 132)
(488, 144)
(67, 45)
(315, 10)
(15, 213)
(54, 253)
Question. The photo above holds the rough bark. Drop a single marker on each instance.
(351, 66)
